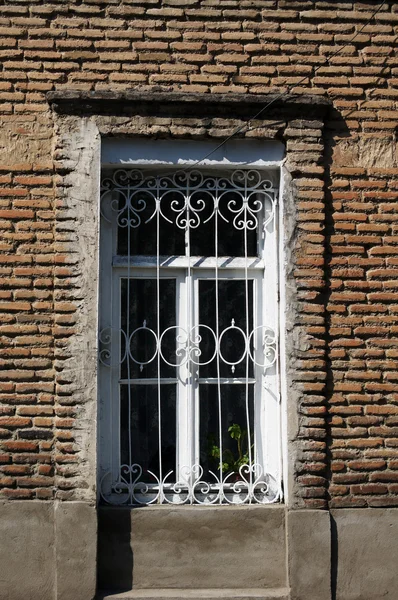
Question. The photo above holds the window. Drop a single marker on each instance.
(189, 402)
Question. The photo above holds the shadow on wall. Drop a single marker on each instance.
(336, 132)
(115, 571)
(334, 566)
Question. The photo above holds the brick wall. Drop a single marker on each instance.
(347, 257)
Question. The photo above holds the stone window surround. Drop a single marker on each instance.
(81, 119)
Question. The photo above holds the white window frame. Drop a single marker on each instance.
(263, 269)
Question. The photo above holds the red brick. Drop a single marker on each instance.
(19, 446)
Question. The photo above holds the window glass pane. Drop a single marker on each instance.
(139, 323)
(231, 236)
(233, 424)
(141, 427)
(138, 228)
(232, 326)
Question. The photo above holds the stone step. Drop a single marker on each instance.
(197, 594)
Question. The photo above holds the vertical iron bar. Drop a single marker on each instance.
(158, 338)
(128, 340)
(216, 199)
(189, 327)
(245, 224)
(114, 351)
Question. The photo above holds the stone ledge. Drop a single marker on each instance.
(201, 594)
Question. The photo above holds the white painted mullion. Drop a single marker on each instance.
(195, 425)
(259, 294)
(259, 410)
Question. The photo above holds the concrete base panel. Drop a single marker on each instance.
(27, 537)
(309, 552)
(365, 553)
(47, 550)
(192, 547)
(76, 550)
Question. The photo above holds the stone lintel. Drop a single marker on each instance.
(246, 106)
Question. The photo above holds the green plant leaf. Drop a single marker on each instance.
(235, 431)
(232, 461)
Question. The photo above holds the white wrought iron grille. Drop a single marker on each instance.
(188, 349)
